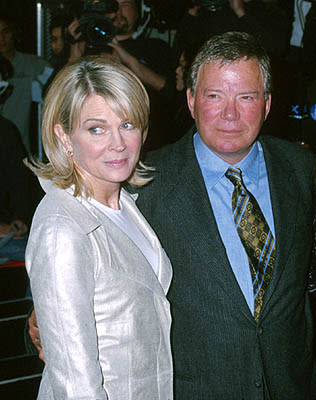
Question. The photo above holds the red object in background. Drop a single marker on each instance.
(13, 263)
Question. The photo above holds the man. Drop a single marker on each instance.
(264, 19)
(220, 350)
(148, 58)
(228, 341)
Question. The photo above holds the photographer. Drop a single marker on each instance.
(149, 58)
(260, 18)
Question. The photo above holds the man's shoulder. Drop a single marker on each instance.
(281, 148)
(172, 154)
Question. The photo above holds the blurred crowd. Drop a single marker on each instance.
(157, 42)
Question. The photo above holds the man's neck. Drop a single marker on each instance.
(125, 36)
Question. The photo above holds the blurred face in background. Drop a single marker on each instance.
(7, 40)
(126, 17)
(57, 40)
(180, 84)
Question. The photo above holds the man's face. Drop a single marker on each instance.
(6, 38)
(126, 16)
(229, 107)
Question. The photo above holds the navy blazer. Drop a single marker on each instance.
(219, 351)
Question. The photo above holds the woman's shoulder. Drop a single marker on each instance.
(63, 206)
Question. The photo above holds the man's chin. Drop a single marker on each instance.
(123, 30)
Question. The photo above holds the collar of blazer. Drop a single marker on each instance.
(73, 208)
(89, 221)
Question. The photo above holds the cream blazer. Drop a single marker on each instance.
(102, 312)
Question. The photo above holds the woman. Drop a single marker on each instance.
(98, 273)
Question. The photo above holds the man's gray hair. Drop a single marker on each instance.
(228, 48)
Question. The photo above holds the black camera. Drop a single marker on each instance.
(97, 29)
(212, 5)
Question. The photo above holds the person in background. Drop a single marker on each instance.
(59, 46)
(17, 194)
(98, 273)
(30, 73)
(151, 59)
(179, 118)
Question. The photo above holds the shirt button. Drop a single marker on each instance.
(257, 384)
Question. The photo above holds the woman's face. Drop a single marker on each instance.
(105, 147)
(57, 40)
(180, 72)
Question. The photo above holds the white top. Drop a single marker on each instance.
(126, 223)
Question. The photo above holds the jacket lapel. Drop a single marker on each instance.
(284, 199)
(71, 205)
(187, 193)
(164, 269)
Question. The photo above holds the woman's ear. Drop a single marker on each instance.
(63, 137)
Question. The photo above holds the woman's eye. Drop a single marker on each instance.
(95, 130)
(127, 125)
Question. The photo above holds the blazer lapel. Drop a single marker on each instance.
(71, 205)
(284, 199)
(164, 269)
(132, 260)
(188, 195)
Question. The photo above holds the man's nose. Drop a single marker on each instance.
(230, 110)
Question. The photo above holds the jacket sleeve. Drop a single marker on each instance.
(61, 266)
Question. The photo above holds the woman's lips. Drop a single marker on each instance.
(116, 163)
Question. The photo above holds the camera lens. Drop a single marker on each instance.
(100, 31)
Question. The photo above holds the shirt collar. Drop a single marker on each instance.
(214, 168)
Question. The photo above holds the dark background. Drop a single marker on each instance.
(24, 12)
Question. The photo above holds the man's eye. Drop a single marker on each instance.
(247, 97)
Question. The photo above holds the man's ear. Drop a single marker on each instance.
(268, 106)
(63, 137)
(190, 101)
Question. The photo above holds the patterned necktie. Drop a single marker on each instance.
(255, 235)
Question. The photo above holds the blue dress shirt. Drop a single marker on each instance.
(220, 191)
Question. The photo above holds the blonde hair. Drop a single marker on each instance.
(122, 91)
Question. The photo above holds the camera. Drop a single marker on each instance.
(97, 29)
(212, 5)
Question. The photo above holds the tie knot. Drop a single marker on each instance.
(234, 175)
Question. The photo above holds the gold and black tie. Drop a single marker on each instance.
(255, 236)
